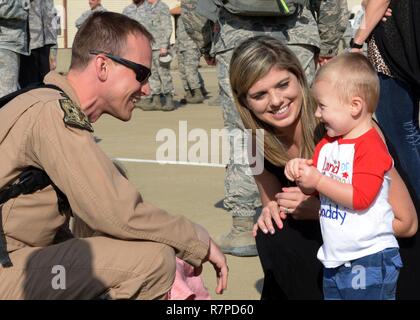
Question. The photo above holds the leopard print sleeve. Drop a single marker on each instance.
(376, 59)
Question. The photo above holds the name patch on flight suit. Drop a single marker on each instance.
(73, 116)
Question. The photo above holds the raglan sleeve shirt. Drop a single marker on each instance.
(370, 163)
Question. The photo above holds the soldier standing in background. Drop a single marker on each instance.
(13, 42)
(56, 27)
(136, 11)
(95, 5)
(42, 36)
(159, 24)
(202, 36)
(332, 20)
(312, 32)
(188, 62)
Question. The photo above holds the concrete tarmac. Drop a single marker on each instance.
(190, 190)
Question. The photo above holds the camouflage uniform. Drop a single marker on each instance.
(156, 19)
(86, 15)
(159, 24)
(137, 12)
(302, 35)
(331, 13)
(13, 41)
(41, 29)
(196, 26)
(188, 59)
(42, 36)
(300, 32)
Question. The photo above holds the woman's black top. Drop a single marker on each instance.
(398, 40)
(288, 258)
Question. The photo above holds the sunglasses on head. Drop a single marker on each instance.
(142, 72)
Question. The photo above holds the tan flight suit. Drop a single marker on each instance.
(137, 260)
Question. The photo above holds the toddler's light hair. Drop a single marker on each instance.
(352, 75)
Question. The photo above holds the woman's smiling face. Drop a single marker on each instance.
(276, 98)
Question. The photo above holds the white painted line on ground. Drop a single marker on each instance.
(184, 163)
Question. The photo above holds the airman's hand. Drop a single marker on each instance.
(163, 52)
(323, 60)
(218, 260)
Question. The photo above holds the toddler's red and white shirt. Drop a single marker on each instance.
(365, 229)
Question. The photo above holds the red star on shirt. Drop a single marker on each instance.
(345, 175)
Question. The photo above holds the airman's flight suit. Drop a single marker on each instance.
(46, 129)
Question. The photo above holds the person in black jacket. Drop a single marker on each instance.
(394, 50)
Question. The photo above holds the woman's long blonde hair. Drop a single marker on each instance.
(251, 61)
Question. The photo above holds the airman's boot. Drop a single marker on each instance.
(157, 105)
(169, 103)
(239, 241)
(214, 102)
(204, 92)
(145, 104)
(188, 95)
(197, 96)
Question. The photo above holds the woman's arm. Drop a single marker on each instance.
(268, 185)
(374, 12)
(405, 221)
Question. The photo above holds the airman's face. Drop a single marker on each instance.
(94, 3)
(124, 89)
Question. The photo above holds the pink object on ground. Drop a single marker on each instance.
(187, 286)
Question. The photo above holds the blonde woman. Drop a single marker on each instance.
(272, 94)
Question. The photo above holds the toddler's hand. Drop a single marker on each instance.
(309, 177)
(291, 170)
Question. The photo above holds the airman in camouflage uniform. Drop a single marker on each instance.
(329, 14)
(137, 11)
(42, 30)
(42, 36)
(13, 42)
(188, 62)
(159, 24)
(198, 27)
(300, 31)
(95, 5)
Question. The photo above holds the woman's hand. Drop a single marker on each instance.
(388, 13)
(356, 50)
(294, 202)
(265, 221)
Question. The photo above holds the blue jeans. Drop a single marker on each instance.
(398, 117)
(373, 277)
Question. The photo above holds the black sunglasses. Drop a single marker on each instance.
(142, 72)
